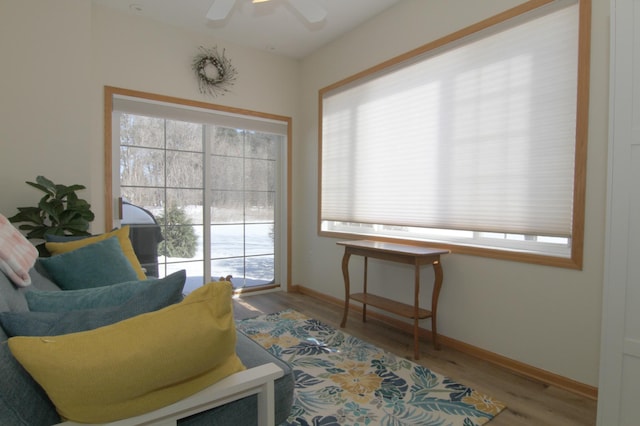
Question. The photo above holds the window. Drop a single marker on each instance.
(475, 142)
(213, 182)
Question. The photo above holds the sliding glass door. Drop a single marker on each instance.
(212, 193)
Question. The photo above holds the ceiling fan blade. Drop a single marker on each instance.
(311, 11)
(220, 9)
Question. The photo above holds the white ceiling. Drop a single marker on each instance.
(274, 26)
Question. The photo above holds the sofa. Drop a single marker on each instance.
(23, 401)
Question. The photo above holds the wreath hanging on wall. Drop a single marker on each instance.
(214, 71)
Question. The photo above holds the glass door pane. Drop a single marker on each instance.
(161, 173)
(243, 176)
(210, 198)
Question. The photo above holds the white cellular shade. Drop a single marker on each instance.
(477, 136)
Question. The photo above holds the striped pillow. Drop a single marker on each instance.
(17, 254)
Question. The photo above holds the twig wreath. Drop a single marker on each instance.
(214, 71)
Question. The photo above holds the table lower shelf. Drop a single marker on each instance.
(389, 305)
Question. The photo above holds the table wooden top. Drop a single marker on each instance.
(403, 249)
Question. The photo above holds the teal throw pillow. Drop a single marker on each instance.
(95, 265)
(88, 298)
(165, 292)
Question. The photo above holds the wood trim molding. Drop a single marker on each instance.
(110, 92)
(512, 365)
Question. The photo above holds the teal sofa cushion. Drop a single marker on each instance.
(22, 401)
(167, 291)
(92, 298)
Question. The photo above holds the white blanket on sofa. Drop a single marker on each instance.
(17, 254)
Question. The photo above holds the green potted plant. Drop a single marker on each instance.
(59, 212)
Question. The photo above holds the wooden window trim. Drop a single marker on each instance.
(575, 261)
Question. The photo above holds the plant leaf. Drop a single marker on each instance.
(69, 191)
(28, 214)
(37, 232)
(58, 212)
(45, 184)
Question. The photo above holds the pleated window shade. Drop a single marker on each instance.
(479, 135)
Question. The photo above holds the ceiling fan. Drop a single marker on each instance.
(309, 9)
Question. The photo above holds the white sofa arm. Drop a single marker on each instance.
(258, 380)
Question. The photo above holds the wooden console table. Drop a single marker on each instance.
(412, 255)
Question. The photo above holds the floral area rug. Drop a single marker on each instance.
(342, 380)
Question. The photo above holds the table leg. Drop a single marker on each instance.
(416, 307)
(364, 286)
(437, 285)
(347, 291)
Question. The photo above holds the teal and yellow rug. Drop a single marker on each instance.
(342, 380)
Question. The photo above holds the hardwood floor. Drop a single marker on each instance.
(528, 402)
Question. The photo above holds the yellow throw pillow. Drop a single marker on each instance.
(139, 364)
(123, 238)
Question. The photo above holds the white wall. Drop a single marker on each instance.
(56, 59)
(45, 77)
(543, 316)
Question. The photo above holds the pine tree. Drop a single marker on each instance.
(180, 240)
